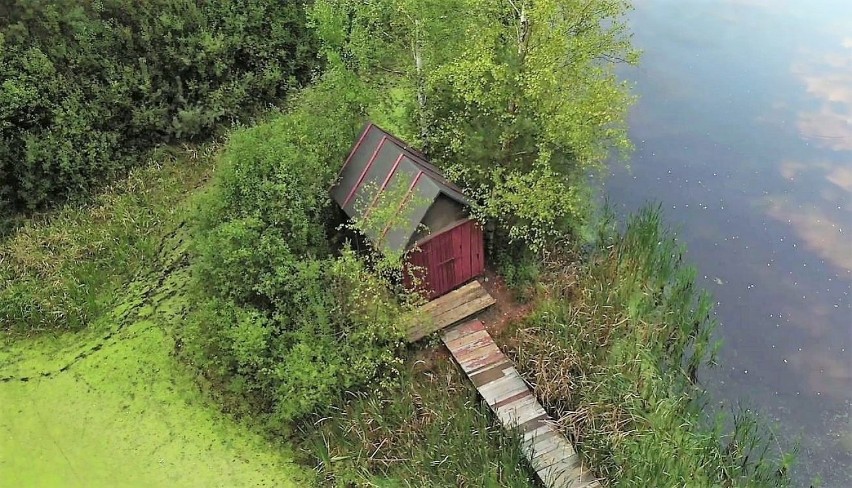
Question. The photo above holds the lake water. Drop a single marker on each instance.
(743, 130)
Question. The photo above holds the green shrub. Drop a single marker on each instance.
(284, 323)
(519, 266)
(87, 85)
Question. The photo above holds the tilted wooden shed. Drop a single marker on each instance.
(435, 231)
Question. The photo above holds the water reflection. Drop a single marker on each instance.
(828, 79)
(819, 231)
(744, 131)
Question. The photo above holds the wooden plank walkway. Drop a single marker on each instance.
(550, 454)
(446, 310)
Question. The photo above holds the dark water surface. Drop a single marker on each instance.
(743, 131)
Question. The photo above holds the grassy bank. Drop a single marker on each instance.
(614, 344)
(61, 270)
(431, 429)
(108, 402)
(129, 324)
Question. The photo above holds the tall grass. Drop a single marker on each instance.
(61, 268)
(429, 430)
(614, 349)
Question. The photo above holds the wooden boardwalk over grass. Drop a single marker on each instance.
(497, 380)
(550, 454)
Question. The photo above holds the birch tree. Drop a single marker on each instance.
(392, 45)
(517, 99)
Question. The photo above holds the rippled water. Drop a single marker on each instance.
(743, 131)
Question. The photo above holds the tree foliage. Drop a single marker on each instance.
(516, 98)
(282, 321)
(84, 86)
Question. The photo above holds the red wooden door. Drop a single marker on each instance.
(440, 263)
(447, 259)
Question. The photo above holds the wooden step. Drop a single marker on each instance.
(449, 309)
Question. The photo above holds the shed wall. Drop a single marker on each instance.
(448, 259)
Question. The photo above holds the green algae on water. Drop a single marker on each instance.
(111, 406)
(129, 415)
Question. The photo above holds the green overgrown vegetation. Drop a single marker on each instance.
(430, 429)
(291, 340)
(613, 347)
(283, 323)
(63, 269)
(517, 101)
(111, 405)
(89, 86)
(261, 296)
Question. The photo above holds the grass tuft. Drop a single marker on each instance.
(61, 269)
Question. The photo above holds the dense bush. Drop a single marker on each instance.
(85, 85)
(283, 322)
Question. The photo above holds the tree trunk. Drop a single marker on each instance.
(421, 88)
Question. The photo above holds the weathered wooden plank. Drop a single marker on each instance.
(462, 330)
(470, 341)
(519, 411)
(450, 309)
(477, 349)
(561, 458)
(563, 470)
(439, 304)
(454, 299)
(489, 373)
(566, 472)
(569, 479)
(475, 293)
(463, 343)
(481, 363)
(515, 408)
(513, 398)
(533, 425)
(541, 432)
(510, 376)
(474, 358)
(543, 447)
(429, 325)
(463, 310)
(502, 388)
(553, 444)
(565, 478)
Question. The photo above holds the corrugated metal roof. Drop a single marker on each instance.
(380, 163)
